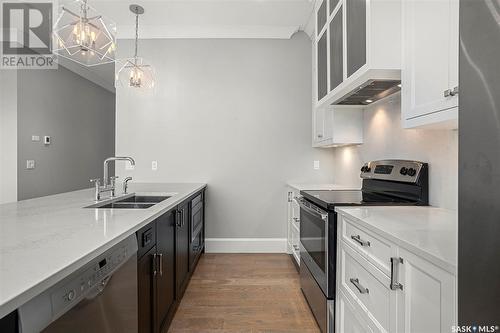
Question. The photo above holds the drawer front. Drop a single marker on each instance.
(348, 319)
(375, 248)
(146, 239)
(367, 285)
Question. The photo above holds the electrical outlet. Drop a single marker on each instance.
(316, 165)
(30, 164)
(46, 140)
(154, 165)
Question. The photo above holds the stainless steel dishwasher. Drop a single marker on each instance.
(99, 297)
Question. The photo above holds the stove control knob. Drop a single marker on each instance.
(363, 168)
(368, 169)
(412, 172)
(403, 171)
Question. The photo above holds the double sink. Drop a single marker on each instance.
(132, 202)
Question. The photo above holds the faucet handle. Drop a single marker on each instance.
(97, 181)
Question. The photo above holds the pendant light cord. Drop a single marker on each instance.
(136, 35)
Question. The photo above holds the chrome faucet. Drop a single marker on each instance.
(109, 183)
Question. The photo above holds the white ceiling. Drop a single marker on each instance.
(209, 18)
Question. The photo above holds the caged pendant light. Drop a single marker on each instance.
(134, 72)
(82, 35)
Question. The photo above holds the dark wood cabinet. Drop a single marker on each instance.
(165, 260)
(165, 279)
(146, 284)
(182, 248)
(197, 230)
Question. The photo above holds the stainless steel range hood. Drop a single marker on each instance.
(369, 92)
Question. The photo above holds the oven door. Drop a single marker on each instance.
(314, 241)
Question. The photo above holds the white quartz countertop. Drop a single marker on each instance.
(45, 239)
(429, 232)
(320, 187)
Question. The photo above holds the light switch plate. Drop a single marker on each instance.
(30, 164)
(35, 138)
(316, 165)
(154, 165)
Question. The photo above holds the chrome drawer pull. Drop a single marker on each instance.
(357, 238)
(296, 219)
(296, 247)
(361, 289)
(395, 285)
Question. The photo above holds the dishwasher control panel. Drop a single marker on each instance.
(86, 282)
(92, 280)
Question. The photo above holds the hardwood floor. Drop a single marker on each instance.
(244, 293)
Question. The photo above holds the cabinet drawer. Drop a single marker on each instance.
(348, 319)
(374, 248)
(146, 239)
(367, 285)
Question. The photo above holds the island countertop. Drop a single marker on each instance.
(45, 239)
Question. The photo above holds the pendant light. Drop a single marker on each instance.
(83, 35)
(134, 72)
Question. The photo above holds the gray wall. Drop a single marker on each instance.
(79, 116)
(385, 138)
(233, 113)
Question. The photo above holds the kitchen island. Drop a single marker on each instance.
(43, 240)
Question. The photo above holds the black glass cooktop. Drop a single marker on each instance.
(330, 199)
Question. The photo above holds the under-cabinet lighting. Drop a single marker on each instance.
(368, 101)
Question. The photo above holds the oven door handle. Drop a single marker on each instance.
(316, 212)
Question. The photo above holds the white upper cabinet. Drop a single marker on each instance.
(336, 126)
(356, 43)
(430, 63)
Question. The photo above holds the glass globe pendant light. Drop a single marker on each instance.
(134, 72)
(83, 35)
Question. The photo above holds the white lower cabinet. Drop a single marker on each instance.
(413, 296)
(293, 224)
(427, 301)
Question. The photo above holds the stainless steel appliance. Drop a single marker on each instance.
(99, 297)
(479, 157)
(388, 182)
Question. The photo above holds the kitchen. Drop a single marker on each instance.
(269, 166)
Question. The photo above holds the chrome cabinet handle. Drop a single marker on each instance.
(320, 136)
(395, 285)
(296, 219)
(447, 92)
(296, 247)
(179, 218)
(361, 289)
(357, 238)
(454, 91)
(154, 264)
(160, 259)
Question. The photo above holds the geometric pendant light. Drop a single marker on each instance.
(83, 35)
(135, 72)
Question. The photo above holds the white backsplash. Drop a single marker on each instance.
(384, 138)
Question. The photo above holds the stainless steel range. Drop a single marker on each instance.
(388, 182)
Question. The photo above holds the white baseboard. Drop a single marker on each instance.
(245, 245)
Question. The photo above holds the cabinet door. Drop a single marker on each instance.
(165, 278)
(146, 285)
(356, 34)
(336, 50)
(319, 115)
(427, 301)
(430, 56)
(321, 67)
(181, 249)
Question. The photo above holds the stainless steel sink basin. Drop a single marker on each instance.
(131, 201)
(126, 205)
(144, 199)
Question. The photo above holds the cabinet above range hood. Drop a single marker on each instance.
(358, 51)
